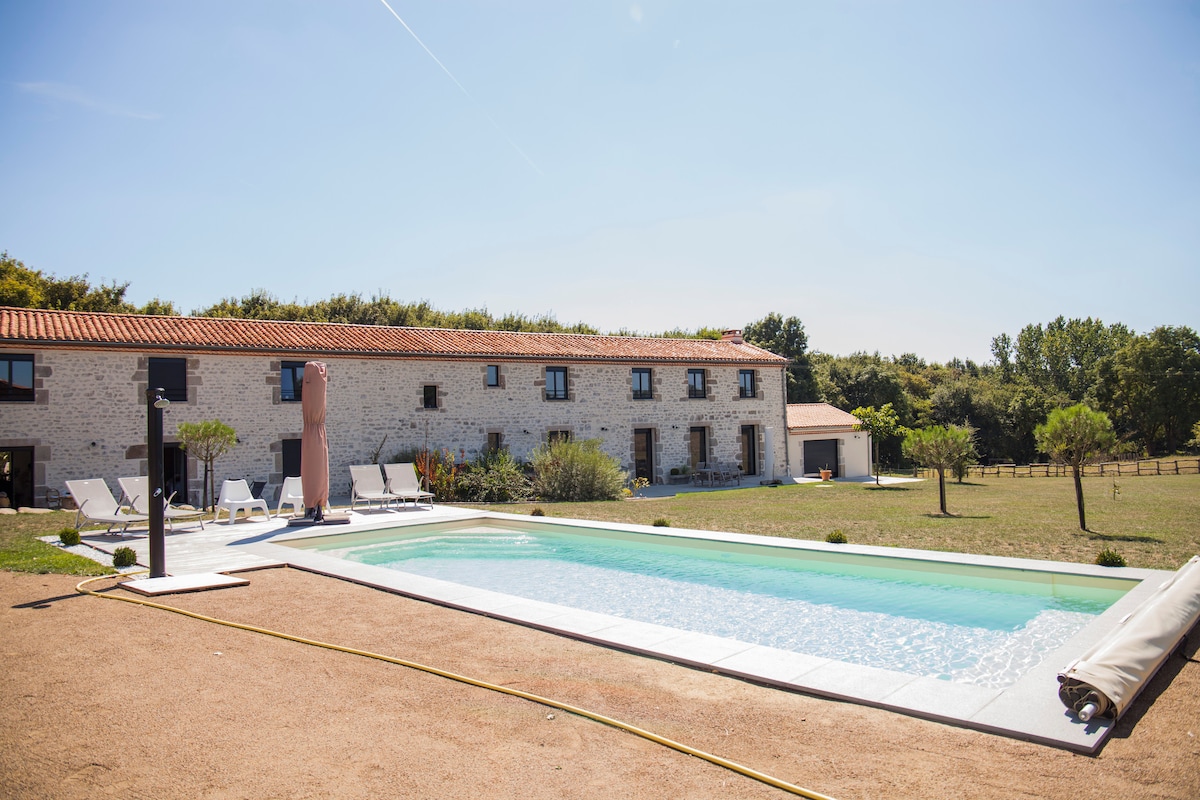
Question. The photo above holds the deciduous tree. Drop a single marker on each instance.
(207, 441)
(880, 424)
(786, 337)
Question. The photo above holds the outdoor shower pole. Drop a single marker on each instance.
(155, 403)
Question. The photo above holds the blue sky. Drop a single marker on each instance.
(901, 176)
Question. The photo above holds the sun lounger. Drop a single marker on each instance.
(96, 503)
(235, 496)
(367, 486)
(402, 482)
(137, 494)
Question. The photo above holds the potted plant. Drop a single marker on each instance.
(826, 473)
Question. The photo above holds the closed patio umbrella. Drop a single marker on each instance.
(314, 449)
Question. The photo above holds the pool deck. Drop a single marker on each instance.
(1029, 709)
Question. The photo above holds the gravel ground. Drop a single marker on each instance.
(103, 698)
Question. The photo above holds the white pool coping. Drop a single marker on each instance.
(1029, 709)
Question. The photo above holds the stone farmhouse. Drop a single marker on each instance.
(72, 397)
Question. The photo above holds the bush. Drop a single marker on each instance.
(576, 471)
(124, 557)
(662, 522)
(537, 512)
(494, 478)
(69, 536)
(1110, 558)
(439, 469)
(837, 537)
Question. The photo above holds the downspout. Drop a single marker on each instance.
(787, 448)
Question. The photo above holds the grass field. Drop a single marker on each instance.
(22, 551)
(1153, 521)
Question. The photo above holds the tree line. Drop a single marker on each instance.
(1148, 384)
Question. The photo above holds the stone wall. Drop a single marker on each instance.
(89, 419)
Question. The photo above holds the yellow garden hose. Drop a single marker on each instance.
(682, 748)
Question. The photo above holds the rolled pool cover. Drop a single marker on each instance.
(1106, 679)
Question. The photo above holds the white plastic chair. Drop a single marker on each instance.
(235, 496)
(291, 494)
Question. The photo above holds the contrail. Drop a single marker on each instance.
(462, 88)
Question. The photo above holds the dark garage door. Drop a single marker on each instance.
(820, 454)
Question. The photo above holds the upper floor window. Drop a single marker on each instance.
(493, 375)
(291, 381)
(697, 386)
(746, 386)
(170, 375)
(641, 384)
(429, 395)
(16, 378)
(556, 383)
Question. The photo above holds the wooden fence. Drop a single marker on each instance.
(1103, 469)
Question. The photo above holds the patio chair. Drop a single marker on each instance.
(236, 496)
(137, 494)
(402, 481)
(291, 494)
(95, 503)
(367, 485)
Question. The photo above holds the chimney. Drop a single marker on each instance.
(734, 336)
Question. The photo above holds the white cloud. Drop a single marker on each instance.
(70, 94)
(635, 13)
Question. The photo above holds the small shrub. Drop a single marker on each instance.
(837, 537)
(1110, 558)
(69, 537)
(578, 471)
(124, 557)
(537, 512)
(675, 471)
(662, 522)
(494, 478)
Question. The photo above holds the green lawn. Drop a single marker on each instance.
(1153, 522)
(22, 551)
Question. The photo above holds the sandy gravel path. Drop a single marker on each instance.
(107, 699)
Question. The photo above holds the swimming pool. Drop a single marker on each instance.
(985, 626)
(980, 692)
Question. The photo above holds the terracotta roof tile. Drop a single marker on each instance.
(818, 415)
(141, 332)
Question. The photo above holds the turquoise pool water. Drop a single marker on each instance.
(984, 626)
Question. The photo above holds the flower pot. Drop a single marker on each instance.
(826, 474)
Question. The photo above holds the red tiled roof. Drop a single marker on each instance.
(818, 415)
(29, 326)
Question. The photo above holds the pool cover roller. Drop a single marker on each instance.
(1106, 678)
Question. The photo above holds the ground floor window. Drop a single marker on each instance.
(749, 450)
(698, 447)
(16, 476)
(643, 453)
(495, 441)
(291, 458)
